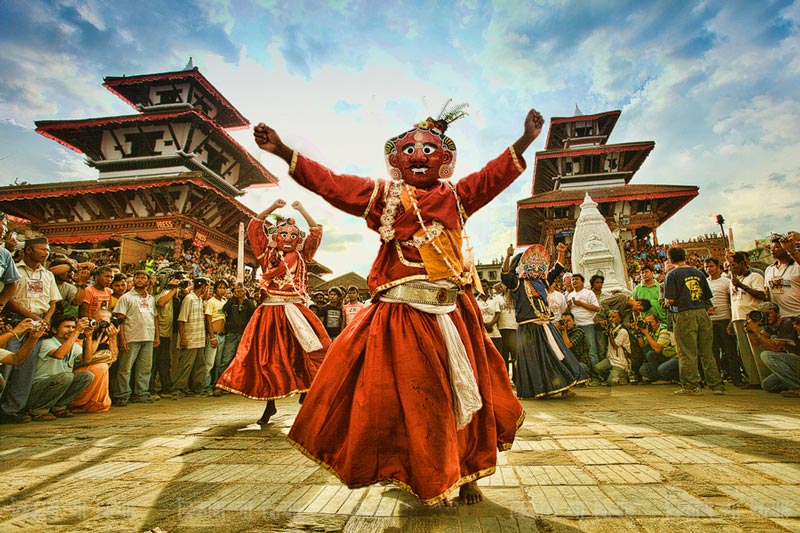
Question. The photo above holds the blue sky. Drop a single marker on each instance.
(713, 83)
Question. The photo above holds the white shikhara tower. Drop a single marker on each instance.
(595, 250)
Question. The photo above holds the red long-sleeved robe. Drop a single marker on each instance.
(381, 406)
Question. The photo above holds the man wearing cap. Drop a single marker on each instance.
(192, 337)
(775, 339)
(36, 297)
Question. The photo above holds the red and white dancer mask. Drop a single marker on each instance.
(285, 236)
(421, 156)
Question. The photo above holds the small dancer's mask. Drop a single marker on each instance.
(285, 236)
(534, 263)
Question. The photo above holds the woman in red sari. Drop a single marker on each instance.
(284, 343)
(412, 393)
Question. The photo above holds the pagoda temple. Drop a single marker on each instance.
(577, 158)
(170, 173)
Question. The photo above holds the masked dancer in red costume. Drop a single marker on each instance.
(413, 392)
(284, 343)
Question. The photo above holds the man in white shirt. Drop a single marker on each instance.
(583, 305)
(138, 335)
(725, 351)
(616, 366)
(490, 310)
(782, 280)
(747, 293)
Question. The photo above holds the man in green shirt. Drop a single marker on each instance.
(649, 289)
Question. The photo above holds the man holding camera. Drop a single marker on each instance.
(168, 304)
(36, 297)
(775, 339)
(660, 354)
(20, 329)
(54, 383)
(575, 339)
(616, 366)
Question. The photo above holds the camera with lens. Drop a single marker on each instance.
(180, 277)
(756, 316)
(562, 323)
(11, 320)
(642, 324)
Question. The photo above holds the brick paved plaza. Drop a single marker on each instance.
(630, 458)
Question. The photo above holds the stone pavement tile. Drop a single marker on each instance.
(504, 499)
(535, 445)
(786, 472)
(504, 476)
(228, 444)
(728, 474)
(577, 429)
(441, 523)
(625, 474)
(684, 456)
(554, 475)
(199, 456)
(249, 473)
(680, 428)
(656, 500)
(548, 457)
(713, 441)
(692, 525)
(586, 444)
(565, 500)
(632, 429)
(107, 470)
(790, 524)
(161, 471)
(777, 421)
(663, 442)
(150, 455)
(767, 500)
(603, 457)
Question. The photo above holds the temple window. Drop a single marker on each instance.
(143, 143)
(583, 129)
(644, 206)
(215, 159)
(170, 96)
(562, 211)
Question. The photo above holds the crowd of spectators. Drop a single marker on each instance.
(81, 335)
(625, 339)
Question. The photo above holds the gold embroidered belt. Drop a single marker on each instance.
(422, 294)
(277, 300)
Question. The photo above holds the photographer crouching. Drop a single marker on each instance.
(660, 354)
(10, 329)
(775, 339)
(575, 339)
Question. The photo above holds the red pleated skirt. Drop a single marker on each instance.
(269, 362)
(381, 407)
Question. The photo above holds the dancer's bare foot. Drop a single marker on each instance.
(444, 504)
(268, 412)
(569, 393)
(470, 493)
